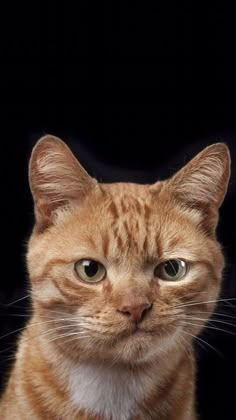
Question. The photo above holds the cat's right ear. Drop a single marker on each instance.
(56, 177)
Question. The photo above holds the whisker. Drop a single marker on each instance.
(17, 315)
(208, 327)
(210, 320)
(200, 340)
(48, 332)
(32, 325)
(213, 314)
(203, 302)
(230, 305)
(185, 348)
(15, 301)
(68, 335)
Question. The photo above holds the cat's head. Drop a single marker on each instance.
(119, 271)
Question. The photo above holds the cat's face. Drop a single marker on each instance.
(117, 269)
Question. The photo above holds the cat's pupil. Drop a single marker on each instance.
(91, 268)
(172, 267)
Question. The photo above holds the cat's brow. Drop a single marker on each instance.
(130, 228)
(57, 261)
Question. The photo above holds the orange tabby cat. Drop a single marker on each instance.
(117, 270)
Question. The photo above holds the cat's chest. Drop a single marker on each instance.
(107, 391)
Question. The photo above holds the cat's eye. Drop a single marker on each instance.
(171, 270)
(90, 271)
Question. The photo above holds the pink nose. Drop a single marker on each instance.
(135, 312)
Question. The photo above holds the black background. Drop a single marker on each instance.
(136, 90)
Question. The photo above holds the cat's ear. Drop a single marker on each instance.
(56, 177)
(202, 183)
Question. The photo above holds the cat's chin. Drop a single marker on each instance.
(141, 347)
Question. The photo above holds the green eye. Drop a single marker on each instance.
(90, 271)
(171, 270)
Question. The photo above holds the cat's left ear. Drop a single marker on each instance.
(202, 183)
(56, 177)
(204, 179)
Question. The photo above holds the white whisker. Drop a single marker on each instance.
(208, 327)
(209, 320)
(15, 301)
(203, 302)
(213, 314)
(78, 336)
(200, 340)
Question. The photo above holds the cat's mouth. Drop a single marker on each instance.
(140, 332)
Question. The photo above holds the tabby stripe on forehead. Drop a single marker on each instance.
(131, 239)
(105, 244)
(136, 245)
(127, 230)
(138, 206)
(117, 237)
(119, 241)
(145, 245)
(174, 242)
(159, 246)
(113, 209)
(147, 211)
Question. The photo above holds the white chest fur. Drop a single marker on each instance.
(108, 391)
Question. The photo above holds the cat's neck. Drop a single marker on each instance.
(100, 388)
(106, 390)
(117, 391)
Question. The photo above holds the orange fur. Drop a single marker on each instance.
(79, 357)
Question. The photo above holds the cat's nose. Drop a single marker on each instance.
(135, 312)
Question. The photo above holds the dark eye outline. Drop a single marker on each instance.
(88, 280)
(158, 271)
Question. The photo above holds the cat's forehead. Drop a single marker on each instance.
(115, 220)
(130, 220)
(124, 222)
(129, 200)
(121, 189)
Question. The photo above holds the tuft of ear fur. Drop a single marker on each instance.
(56, 177)
(204, 180)
(202, 183)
